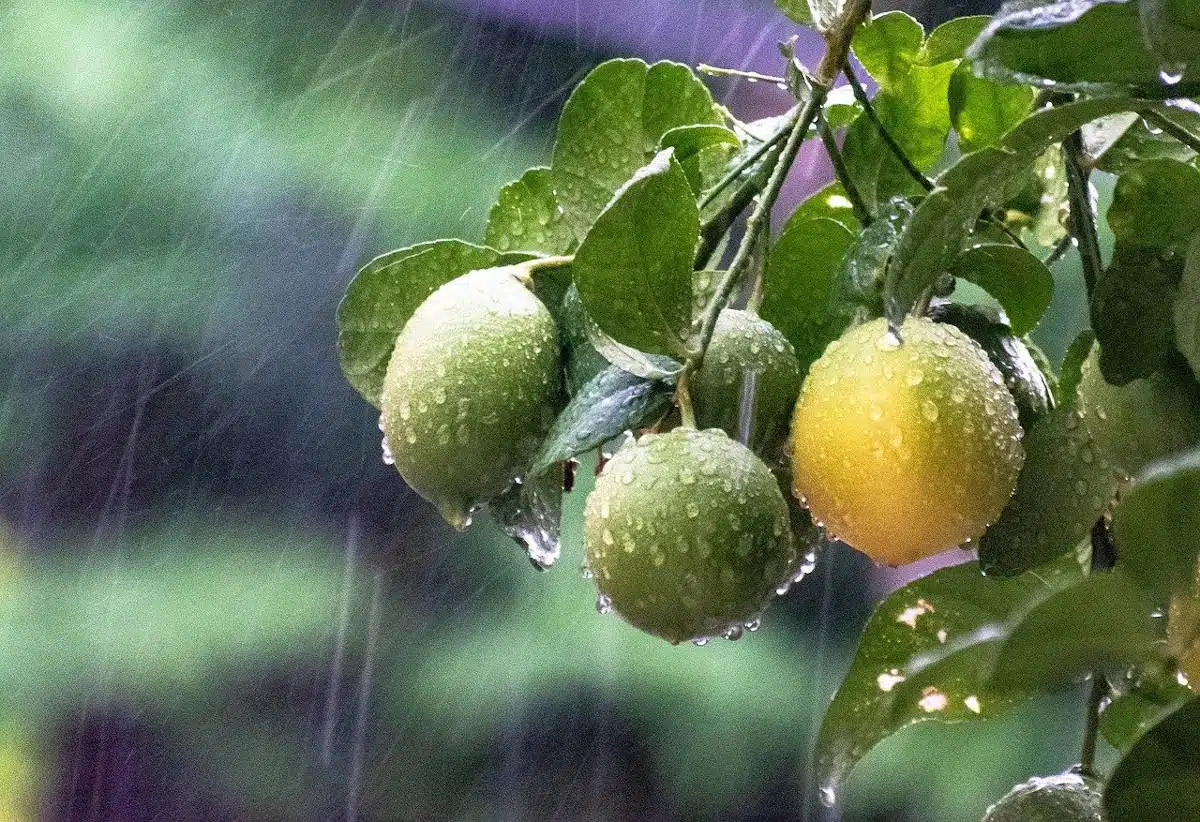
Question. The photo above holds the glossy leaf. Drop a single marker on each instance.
(1187, 309)
(613, 402)
(938, 612)
(1061, 490)
(530, 512)
(1158, 780)
(1132, 311)
(800, 286)
(950, 40)
(1157, 525)
(634, 268)
(1019, 281)
(1034, 41)
(982, 110)
(888, 45)
(527, 217)
(693, 146)
(384, 294)
(1156, 203)
(1139, 141)
(829, 203)
(611, 126)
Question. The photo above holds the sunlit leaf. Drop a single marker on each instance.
(982, 110)
(950, 40)
(1156, 203)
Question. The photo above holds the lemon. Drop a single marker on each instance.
(687, 534)
(471, 389)
(747, 357)
(1066, 797)
(905, 446)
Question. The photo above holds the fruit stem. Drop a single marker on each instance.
(1100, 690)
(1083, 218)
(860, 94)
(861, 212)
(683, 398)
(548, 262)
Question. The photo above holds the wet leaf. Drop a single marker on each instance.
(888, 45)
(690, 143)
(1156, 526)
(1159, 779)
(1132, 311)
(1071, 370)
(384, 294)
(1187, 309)
(613, 402)
(1156, 203)
(634, 268)
(611, 126)
(829, 203)
(1136, 711)
(530, 512)
(950, 40)
(527, 217)
(1139, 141)
(1019, 281)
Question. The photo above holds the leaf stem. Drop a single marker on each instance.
(750, 159)
(1087, 756)
(716, 226)
(1083, 217)
(1170, 127)
(860, 94)
(843, 174)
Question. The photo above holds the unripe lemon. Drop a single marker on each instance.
(1067, 797)
(687, 534)
(471, 390)
(1146, 420)
(905, 446)
(747, 349)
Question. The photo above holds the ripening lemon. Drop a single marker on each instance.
(687, 534)
(1066, 797)
(905, 446)
(471, 389)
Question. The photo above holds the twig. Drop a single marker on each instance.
(752, 76)
(843, 174)
(1060, 250)
(1100, 690)
(860, 94)
(715, 228)
(1083, 218)
(751, 158)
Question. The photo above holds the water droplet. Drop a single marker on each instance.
(388, 457)
(888, 342)
(753, 625)
(1171, 72)
(828, 796)
(700, 641)
(607, 537)
(586, 572)
(603, 604)
(914, 377)
(929, 410)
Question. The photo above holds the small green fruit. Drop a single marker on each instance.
(745, 348)
(471, 390)
(1146, 420)
(687, 534)
(1067, 797)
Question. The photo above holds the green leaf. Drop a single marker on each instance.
(935, 613)
(583, 361)
(830, 203)
(1019, 281)
(1131, 140)
(1156, 527)
(647, 366)
(1159, 779)
(527, 217)
(1132, 311)
(1038, 42)
(1136, 711)
(1187, 309)
(982, 111)
(611, 126)
(797, 10)
(613, 402)
(530, 512)
(634, 268)
(1156, 203)
(888, 45)
(866, 263)
(694, 149)
(1061, 490)
(1071, 370)
(1102, 620)
(800, 286)
(384, 294)
(982, 179)
(950, 40)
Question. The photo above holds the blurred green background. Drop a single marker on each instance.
(216, 602)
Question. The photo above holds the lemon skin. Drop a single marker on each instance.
(1066, 797)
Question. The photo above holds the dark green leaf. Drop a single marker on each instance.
(950, 40)
(1019, 281)
(943, 220)
(866, 264)
(1103, 620)
(1157, 525)
(634, 268)
(1034, 41)
(1142, 707)
(982, 111)
(527, 217)
(888, 45)
(704, 285)
(613, 402)
(1131, 140)
(942, 610)
(611, 126)
(530, 512)
(829, 203)
(1159, 779)
(583, 361)
(1071, 370)
(384, 294)
(1187, 309)
(647, 366)
(1156, 203)
(1061, 490)
(1132, 311)
(800, 286)
(1170, 29)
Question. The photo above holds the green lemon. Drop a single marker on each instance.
(471, 390)
(1146, 420)
(905, 446)
(747, 357)
(687, 534)
(1066, 797)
